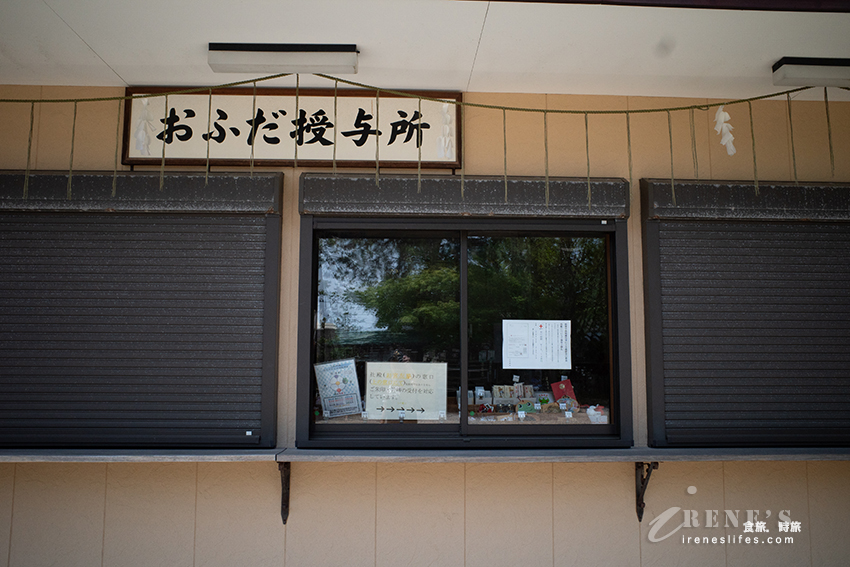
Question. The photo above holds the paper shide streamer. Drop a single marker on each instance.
(722, 127)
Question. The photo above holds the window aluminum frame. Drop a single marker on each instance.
(454, 436)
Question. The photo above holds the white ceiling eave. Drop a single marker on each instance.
(422, 44)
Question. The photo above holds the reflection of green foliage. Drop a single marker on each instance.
(357, 265)
(423, 304)
(545, 277)
(412, 286)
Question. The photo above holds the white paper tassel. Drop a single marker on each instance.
(722, 127)
(445, 143)
(144, 130)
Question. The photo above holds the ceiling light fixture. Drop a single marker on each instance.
(811, 72)
(273, 58)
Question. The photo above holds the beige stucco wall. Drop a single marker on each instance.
(209, 514)
(377, 514)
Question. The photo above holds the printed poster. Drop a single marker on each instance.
(416, 388)
(338, 388)
(536, 344)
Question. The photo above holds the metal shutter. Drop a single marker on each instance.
(138, 329)
(749, 332)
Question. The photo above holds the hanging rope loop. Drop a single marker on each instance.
(505, 140)
(71, 162)
(29, 153)
(829, 133)
(117, 147)
(791, 136)
(546, 154)
(208, 136)
(462, 106)
(587, 154)
(672, 180)
(753, 136)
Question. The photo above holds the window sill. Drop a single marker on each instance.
(635, 454)
(135, 455)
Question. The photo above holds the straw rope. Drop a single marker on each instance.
(164, 129)
(694, 143)
(672, 181)
(71, 161)
(29, 153)
(209, 135)
(297, 109)
(411, 95)
(829, 133)
(336, 101)
(546, 154)
(254, 128)
(505, 140)
(462, 157)
(753, 137)
(462, 105)
(587, 154)
(791, 132)
(377, 137)
(629, 146)
(117, 147)
(418, 134)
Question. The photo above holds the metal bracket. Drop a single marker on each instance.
(641, 482)
(285, 473)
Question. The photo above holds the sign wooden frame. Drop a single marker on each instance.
(333, 127)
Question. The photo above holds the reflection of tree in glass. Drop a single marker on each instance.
(544, 278)
(538, 278)
(422, 304)
(405, 285)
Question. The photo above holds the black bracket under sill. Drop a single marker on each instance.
(642, 473)
(285, 473)
(641, 482)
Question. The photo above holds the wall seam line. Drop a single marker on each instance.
(375, 552)
(552, 500)
(12, 515)
(195, 526)
(809, 515)
(723, 485)
(103, 534)
(465, 465)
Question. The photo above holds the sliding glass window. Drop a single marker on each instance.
(472, 333)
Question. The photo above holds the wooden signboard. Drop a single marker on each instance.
(282, 127)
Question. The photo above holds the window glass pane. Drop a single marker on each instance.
(387, 330)
(538, 330)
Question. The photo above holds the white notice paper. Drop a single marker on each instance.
(536, 344)
(416, 390)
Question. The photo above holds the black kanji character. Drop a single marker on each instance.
(362, 128)
(408, 126)
(317, 126)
